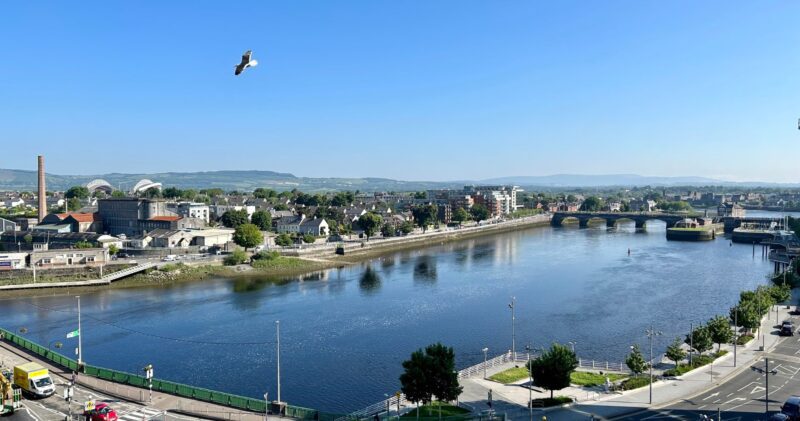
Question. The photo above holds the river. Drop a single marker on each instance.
(344, 333)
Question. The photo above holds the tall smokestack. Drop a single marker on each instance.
(42, 190)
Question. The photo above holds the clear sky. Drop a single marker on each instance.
(415, 90)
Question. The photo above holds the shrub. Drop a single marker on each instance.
(284, 240)
(236, 258)
(265, 255)
(744, 339)
(636, 382)
(308, 238)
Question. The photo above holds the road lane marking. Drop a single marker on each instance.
(711, 395)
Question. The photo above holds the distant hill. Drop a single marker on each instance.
(11, 180)
(578, 180)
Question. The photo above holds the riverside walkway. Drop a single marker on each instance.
(512, 399)
(136, 400)
(105, 280)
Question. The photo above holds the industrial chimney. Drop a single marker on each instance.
(42, 191)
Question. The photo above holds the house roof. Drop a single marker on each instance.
(82, 217)
(165, 218)
(313, 222)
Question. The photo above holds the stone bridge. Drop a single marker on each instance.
(611, 218)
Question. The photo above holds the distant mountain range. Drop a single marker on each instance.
(249, 180)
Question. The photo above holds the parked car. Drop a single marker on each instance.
(169, 258)
(101, 412)
(123, 255)
(779, 417)
(787, 329)
(791, 408)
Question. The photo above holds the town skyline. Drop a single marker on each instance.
(445, 91)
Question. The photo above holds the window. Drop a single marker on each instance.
(90, 259)
(46, 261)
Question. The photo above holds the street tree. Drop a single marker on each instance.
(113, 249)
(699, 339)
(387, 230)
(479, 212)
(460, 215)
(234, 218)
(73, 204)
(675, 351)
(780, 293)
(592, 204)
(719, 328)
(636, 362)
(117, 193)
(431, 372)
(553, 368)
(746, 315)
(262, 219)
(247, 236)
(425, 215)
(370, 222)
(79, 192)
(406, 228)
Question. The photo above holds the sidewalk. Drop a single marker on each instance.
(10, 355)
(512, 398)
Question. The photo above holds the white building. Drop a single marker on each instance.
(194, 210)
(12, 261)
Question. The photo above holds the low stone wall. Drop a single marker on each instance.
(677, 234)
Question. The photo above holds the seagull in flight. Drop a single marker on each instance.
(246, 62)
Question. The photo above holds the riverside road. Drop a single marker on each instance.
(742, 396)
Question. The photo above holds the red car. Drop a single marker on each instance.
(101, 412)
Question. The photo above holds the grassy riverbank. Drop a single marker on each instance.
(277, 270)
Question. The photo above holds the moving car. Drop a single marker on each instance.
(101, 412)
(791, 408)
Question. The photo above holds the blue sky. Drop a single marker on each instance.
(416, 90)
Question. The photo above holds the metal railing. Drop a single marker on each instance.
(603, 365)
(480, 367)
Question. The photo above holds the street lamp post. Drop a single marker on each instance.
(80, 334)
(691, 342)
(766, 372)
(735, 332)
(512, 305)
(650, 334)
(530, 385)
(485, 354)
(278, 334)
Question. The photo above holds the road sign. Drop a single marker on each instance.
(73, 334)
(89, 405)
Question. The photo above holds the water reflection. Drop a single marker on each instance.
(370, 281)
(425, 269)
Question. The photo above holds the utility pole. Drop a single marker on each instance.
(650, 334)
(512, 305)
(735, 332)
(278, 332)
(485, 354)
(530, 385)
(148, 374)
(80, 333)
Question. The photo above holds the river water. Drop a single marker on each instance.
(344, 333)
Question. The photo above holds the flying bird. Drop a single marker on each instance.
(246, 62)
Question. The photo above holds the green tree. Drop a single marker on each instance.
(387, 230)
(262, 219)
(720, 330)
(479, 212)
(84, 245)
(284, 240)
(780, 293)
(113, 249)
(308, 239)
(746, 315)
(406, 228)
(262, 193)
(460, 215)
(700, 339)
(237, 257)
(247, 236)
(370, 222)
(172, 192)
(592, 204)
(117, 193)
(636, 362)
(675, 351)
(79, 192)
(430, 372)
(553, 368)
(73, 204)
(152, 193)
(28, 239)
(415, 378)
(234, 218)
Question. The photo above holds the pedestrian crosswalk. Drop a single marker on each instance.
(141, 414)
